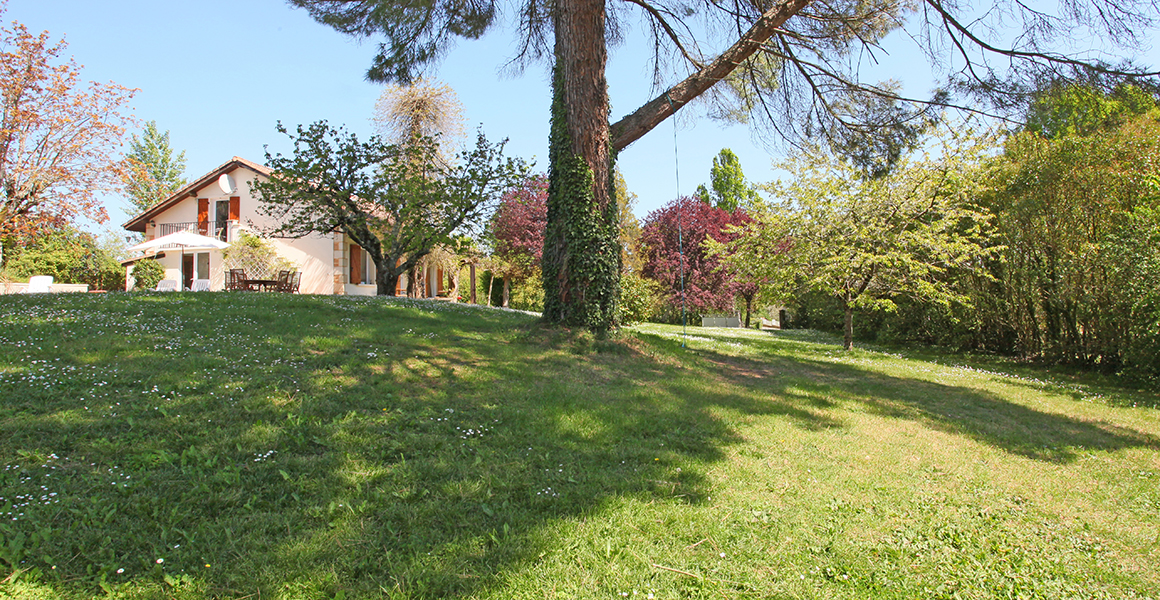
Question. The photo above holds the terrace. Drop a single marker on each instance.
(224, 230)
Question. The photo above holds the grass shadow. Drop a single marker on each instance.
(980, 415)
(310, 446)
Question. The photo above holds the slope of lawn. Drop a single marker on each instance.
(244, 445)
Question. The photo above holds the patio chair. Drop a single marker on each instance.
(295, 279)
(283, 284)
(166, 285)
(39, 284)
(200, 285)
(236, 280)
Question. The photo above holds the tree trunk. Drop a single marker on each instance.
(507, 292)
(490, 283)
(473, 284)
(413, 282)
(386, 277)
(581, 260)
(848, 329)
(748, 309)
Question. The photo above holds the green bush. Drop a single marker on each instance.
(102, 272)
(147, 273)
(57, 254)
(528, 293)
(69, 256)
(640, 300)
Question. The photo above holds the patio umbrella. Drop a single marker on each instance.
(185, 238)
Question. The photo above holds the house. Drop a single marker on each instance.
(218, 204)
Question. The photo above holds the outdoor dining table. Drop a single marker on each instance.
(265, 284)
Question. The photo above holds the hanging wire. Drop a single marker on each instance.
(680, 223)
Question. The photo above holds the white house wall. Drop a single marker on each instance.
(312, 255)
(305, 253)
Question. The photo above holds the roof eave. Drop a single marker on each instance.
(139, 222)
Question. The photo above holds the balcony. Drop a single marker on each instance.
(217, 229)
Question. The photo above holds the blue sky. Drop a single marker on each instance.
(218, 75)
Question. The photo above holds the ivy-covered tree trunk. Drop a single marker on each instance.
(581, 260)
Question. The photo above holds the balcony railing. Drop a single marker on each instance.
(217, 229)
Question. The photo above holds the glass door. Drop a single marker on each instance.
(221, 217)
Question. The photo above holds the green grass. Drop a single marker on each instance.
(268, 446)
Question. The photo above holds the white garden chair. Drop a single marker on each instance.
(200, 285)
(166, 285)
(39, 284)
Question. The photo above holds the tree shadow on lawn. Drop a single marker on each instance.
(365, 454)
(980, 415)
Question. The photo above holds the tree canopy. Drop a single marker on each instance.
(673, 238)
(420, 109)
(789, 66)
(57, 136)
(863, 241)
(153, 171)
(395, 201)
(1075, 109)
(792, 65)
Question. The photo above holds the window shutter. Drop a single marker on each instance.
(355, 263)
(202, 215)
(235, 208)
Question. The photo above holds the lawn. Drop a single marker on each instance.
(245, 445)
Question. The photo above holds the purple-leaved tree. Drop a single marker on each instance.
(707, 287)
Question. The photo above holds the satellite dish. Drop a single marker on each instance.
(226, 183)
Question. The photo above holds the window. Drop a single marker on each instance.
(368, 268)
(362, 268)
(203, 265)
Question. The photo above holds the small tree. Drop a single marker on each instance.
(730, 189)
(518, 229)
(706, 286)
(256, 256)
(631, 260)
(396, 201)
(861, 240)
(154, 172)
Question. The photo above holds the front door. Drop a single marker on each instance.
(186, 271)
